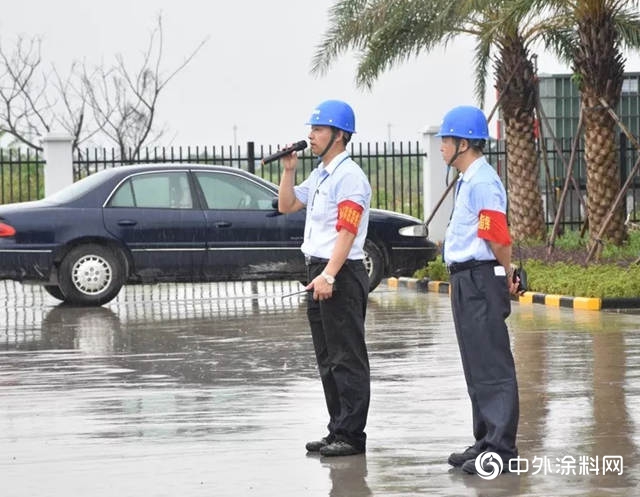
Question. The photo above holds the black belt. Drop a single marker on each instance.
(310, 260)
(456, 267)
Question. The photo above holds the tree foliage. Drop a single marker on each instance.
(588, 34)
(116, 102)
(384, 33)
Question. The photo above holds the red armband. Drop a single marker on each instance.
(492, 226)
(349, 215)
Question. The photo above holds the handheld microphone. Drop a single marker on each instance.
(296, 147)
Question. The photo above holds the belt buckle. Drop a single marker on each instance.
(307, 260)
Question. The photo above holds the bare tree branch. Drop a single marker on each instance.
(21, 114)
(129, 117)
(113, 103)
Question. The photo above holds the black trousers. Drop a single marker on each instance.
(337, 329)
(480, 303)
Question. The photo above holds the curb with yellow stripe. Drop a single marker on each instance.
(584, 303)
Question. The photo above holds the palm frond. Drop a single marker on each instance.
(348, 27)
(482, 59)
(628, 26)
(405, 34)
(561, 42)
(385, 32)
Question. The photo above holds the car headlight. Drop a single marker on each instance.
(414, 230)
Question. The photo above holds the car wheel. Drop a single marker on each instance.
(374, 262)
(54, 291)
(91, 275)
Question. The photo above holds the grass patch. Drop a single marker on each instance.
(563, 272)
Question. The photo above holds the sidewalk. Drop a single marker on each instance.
(584, 303)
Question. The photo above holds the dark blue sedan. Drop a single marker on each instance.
(172, 223)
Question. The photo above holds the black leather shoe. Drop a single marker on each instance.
(457, 459)
(316, 445)
(339, 448)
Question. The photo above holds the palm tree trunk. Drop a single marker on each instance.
(603, 171)
(599, 67)
(526, 216)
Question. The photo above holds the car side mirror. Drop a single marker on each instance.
(274, 205)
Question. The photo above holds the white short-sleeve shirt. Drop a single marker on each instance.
(478, 188)
(326, 187)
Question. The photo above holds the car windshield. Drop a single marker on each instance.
(77, 189)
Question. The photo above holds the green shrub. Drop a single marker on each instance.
(615, 276)
(434, 271)
(595, 280)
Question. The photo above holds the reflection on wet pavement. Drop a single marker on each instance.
(212, 390)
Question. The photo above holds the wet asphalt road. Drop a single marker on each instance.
(210, 391)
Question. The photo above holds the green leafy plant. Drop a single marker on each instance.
(596, 280)
(616, 275)
(435, 270)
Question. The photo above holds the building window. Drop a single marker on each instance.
(630, 86)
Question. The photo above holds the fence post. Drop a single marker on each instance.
(435, 182)
(251, 157)
(58, 154)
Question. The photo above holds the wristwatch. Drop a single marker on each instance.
(329, 279)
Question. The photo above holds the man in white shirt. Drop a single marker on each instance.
(337, 196)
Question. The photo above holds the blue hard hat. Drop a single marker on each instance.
(334, 113)
(465, 121)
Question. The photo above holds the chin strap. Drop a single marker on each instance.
(457, 153)
(334, 134)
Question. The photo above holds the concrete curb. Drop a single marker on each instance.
(583, 303)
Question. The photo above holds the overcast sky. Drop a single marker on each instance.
(251, 81)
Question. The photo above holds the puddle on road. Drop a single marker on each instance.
(168, 394)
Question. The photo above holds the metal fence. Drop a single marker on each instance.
(554, 159)
(21, 175)
(394, 170)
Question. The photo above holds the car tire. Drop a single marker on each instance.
(91, 275)
(374, 262)
(54, 291)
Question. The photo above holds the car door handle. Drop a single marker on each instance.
(127, 222)
(222, 224)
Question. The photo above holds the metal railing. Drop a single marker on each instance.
(21, 175)
(395, 171)
(553, 174)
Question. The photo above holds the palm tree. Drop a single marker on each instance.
(386, 32)
(590, 34)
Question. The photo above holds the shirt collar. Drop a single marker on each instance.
(329, 168)
(472, 169)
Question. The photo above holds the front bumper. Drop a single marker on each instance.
(404, 261)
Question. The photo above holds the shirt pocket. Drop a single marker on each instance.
(464, 221)
(320, 206)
